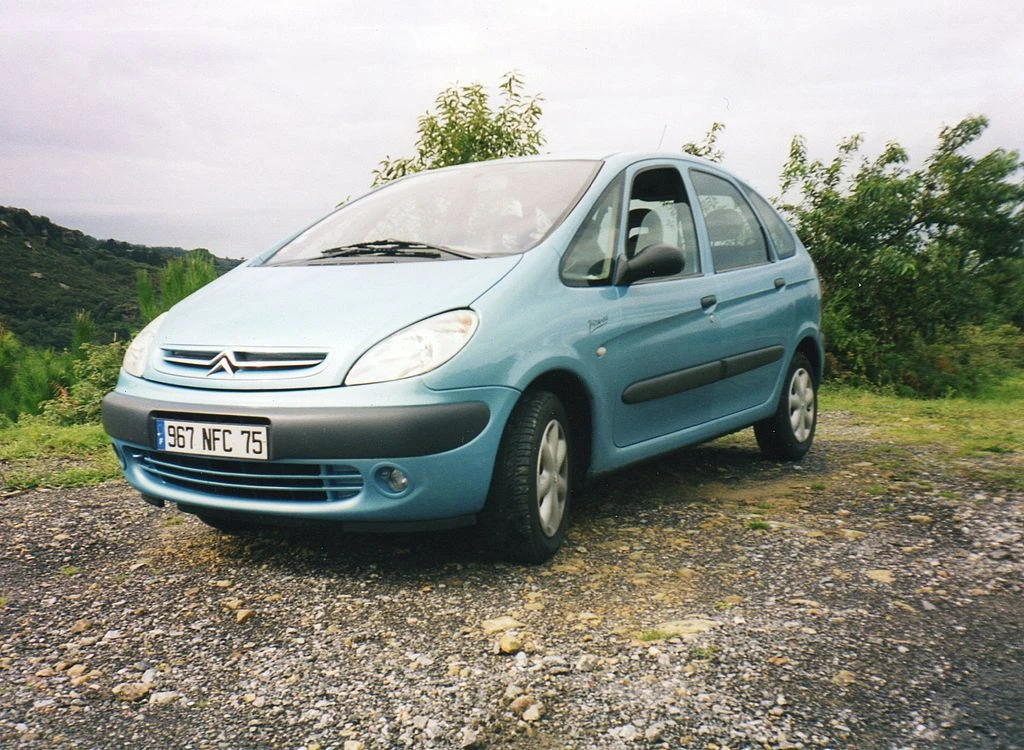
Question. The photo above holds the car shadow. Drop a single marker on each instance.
(673, 481)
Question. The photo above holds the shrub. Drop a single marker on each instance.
(94, 375)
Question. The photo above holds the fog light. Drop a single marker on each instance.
(395, 479)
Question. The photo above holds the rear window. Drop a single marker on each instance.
(734, 233)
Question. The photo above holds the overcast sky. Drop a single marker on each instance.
(228, 125)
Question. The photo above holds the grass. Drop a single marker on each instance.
(649, 636)
(35, 453)
(989, 426)
(992, 423)
(703, 653)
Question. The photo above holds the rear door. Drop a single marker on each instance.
(752, 312)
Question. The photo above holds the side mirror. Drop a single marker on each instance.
(656, 260)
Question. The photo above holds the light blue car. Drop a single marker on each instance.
(467, 345)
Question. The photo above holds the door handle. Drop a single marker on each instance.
(710, 300)
(780, 282)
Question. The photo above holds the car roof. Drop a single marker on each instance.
(617, 159)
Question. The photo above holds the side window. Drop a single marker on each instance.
(588, 259)
(660, 213)
(781, 235)
(734, 233)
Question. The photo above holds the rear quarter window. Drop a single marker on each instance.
(778, 230)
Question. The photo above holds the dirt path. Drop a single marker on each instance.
(871, 597)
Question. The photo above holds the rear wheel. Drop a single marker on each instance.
(527, 510)
(789, 433)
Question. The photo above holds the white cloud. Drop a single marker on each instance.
(229, 124)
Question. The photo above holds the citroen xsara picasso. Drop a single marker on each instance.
(467, 345)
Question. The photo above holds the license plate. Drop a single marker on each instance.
(212, 439)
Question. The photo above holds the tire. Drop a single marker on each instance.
(527, 509)
(788, 434)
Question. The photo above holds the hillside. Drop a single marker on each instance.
(48, 273)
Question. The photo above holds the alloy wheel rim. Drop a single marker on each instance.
(552, 477)
(801, 405)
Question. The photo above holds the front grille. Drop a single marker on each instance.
(209, 362)
(253, 480)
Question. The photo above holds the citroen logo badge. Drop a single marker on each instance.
(223, 363)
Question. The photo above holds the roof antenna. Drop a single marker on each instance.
(660, 140)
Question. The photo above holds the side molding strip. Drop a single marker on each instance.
(679, 381)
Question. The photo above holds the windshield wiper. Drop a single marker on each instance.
(390, 249)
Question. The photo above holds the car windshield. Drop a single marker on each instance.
(476, 210)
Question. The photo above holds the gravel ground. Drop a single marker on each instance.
(869, 597)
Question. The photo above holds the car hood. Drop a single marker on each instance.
(266, 327)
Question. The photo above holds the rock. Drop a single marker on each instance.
(87, 677)
(354, 745)
(509, 644)
(512, 692)
(520, 704)
(164, 697)
(654, 732)
(81, 626)
(132, 691)
(626, 733)
(499, 624)
(851, 534)
(921, 518)
(242, 615)
(534, 712)
(686, 629)
(470, 738)
(844, 678)
(881, 576)
(587, 663)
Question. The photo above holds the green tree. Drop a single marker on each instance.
(464, 127)
(83, 331)
(923, 268)
(29, 376)
(708, 148)
(175, 281)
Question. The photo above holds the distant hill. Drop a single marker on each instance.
(48, 273)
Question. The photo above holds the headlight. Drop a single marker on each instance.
(415, 350)
(138, 352)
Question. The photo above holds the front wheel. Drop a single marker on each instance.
(527, 510)
(788, 433)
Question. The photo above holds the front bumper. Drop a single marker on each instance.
(329, 458)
